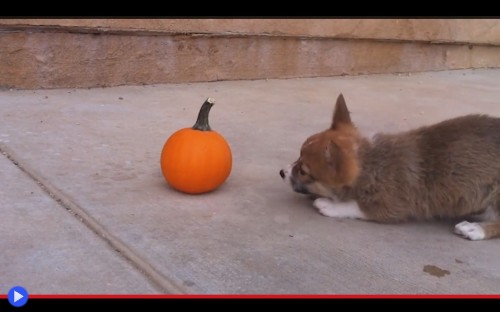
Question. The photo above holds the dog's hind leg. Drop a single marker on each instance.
(486, 225)
(478, 230)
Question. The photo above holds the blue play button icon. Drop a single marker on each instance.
(18, 296)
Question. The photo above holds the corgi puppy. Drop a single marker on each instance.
(447, 170)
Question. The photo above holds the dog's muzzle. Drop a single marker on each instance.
(299, 188)
(282, 173)
(286, 174)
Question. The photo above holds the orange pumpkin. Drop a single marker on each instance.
(196, 160)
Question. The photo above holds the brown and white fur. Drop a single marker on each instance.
(447, 170)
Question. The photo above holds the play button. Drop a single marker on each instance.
(18, 296)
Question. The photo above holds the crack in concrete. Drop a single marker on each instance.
(158, 279)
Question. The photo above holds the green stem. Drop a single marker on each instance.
(202, 121)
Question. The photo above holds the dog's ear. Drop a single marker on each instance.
(341, 113)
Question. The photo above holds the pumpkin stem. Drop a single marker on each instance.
(202, 121)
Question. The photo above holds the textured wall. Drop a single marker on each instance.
(485, 31)
(90, 53)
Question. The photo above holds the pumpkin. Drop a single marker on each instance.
(196, 160)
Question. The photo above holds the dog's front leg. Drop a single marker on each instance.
(348, 209)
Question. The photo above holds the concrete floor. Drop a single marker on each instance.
(84, 207)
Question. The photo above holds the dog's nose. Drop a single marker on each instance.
(282, 174)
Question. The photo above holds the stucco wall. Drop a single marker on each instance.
(480, 31)
(89, 53)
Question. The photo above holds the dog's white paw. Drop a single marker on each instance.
(325, 206)
(338, 209)
(472, 231)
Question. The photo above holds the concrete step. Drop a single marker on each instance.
(37, 55)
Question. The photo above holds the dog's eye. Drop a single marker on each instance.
(301, 171)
